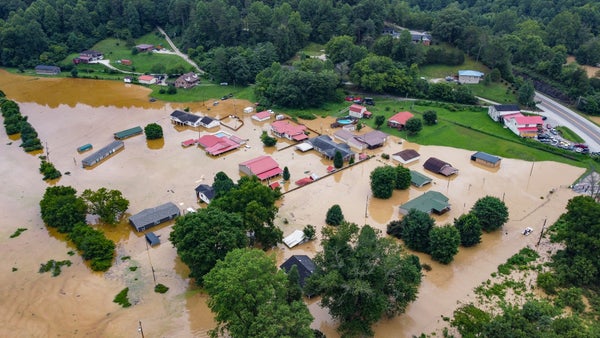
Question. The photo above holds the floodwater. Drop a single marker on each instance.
(70, 112)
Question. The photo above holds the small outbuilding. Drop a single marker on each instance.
(148, 218)
(295, 238)
(47, 70)
(431, 201)
(406, 156)
(303, 263)
(439, 167)
(419, 180)
(469, 76)
(205, 193)
(152, 239)
(486, 159)
(127, 133)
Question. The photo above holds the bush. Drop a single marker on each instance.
(334, 215)
(49, 171)
(53, 266)
(121, 298)
(160, 288)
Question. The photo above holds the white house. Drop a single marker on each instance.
(524, 126)
(497, 112)
(469, 76)
(209, 122)
(147, 79)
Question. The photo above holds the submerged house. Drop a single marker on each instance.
(102, 153)
(303, 263)
(486, 159)
(406, 156)
(439, 167)
(185, 118)
(327, 147)
(285, 129)
(264, 167)
(148, 218)
(431, 201)
(205, 193)
(419, 180)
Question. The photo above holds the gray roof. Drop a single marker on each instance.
(305, 265)
(185, 117)
(373, 138)
(102, 153)
(486, 157)
(154, 216)
(152, 239)
(507, 107)
(407, 154)
(325, 145)
(206, 120)
(207, 190)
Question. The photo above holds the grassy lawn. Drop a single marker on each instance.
(115, 50)
(441, 71)
(569, 134)
(205, 91)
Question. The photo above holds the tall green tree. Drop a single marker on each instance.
(334, 215)
(363, 277)
(379, 121)
(416, 226)
(430, 117)
(413, 125)
(61, 208)
(286, 174)
(255, 203)
(403, 178)
(109, 205)
(206, 236)
(222, 184)
(469, 228)
(383, 181)
(338, 160)
(249, 297)
(443, 243)
(491, 212)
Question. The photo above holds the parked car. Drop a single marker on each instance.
(580, 145)
(369, 101)
(554, 131)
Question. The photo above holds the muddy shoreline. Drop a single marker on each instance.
(70, 112)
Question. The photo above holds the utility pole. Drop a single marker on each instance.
(140, 329)
(541, 232)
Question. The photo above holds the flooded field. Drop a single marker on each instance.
(68, 113)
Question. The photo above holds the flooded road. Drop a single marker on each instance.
(68, 113)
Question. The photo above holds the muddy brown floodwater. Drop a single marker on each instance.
(68, 113)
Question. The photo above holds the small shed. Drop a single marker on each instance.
(84, 148)
(148, 218)
(303, 263)
(47, 70)
(418, 180)
(486, 159)
(127, 133)
(295, 238)
(152, 239)
(406, 156)
(205, 193)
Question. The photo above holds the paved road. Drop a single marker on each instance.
(570, 119)
(178, 52)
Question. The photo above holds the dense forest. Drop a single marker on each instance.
(235, 40)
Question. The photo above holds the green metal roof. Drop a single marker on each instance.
(417, 179)
(128, 132)
(428, 202)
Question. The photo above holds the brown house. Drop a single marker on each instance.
(439, 167)
(187, 80)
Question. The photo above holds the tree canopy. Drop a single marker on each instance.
(251, 298)
(469, 228)
(61, 208)
(334, 215)
(153, 131)
(383, 181)
(443, 243)
(491, 212)
(109, 205)
(416, 226)
(360, 267)
(206, 236)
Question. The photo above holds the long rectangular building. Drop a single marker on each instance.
(102, 153)
(150, 217)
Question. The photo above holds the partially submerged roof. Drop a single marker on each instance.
(305, 266)
(407, 155)
(294, 238)
(263, 167)
(418, 180)
(431, 201)
(154, 216)
(184, 117)
(438, 166)
(206, 190)
(152, 239)
(128, 133)
(485, 157)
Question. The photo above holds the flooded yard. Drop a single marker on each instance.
(68, 113)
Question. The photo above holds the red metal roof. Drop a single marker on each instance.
(401, 117)
(285, 127)
(189, 142)
(263, 167)
(357, 108)
(263, 115)
(304, 181)
(526, 120)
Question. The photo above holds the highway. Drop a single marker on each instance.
(566, 117)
